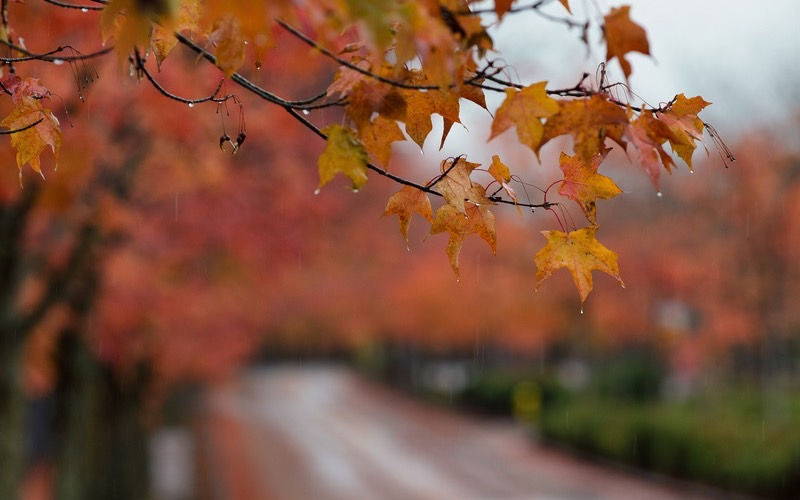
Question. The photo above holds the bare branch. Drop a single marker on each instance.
(26, 127)
(50, 56)
(83, 8)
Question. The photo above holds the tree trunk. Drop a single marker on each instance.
(102, 443)
(12, 417)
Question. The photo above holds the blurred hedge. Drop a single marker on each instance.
(734, 439)
(713, 443)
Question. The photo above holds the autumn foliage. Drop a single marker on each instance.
(156, 246)
(399, 64)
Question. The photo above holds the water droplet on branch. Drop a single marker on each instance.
(191, 104)
(58, 62)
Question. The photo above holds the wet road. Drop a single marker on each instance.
(322, 432)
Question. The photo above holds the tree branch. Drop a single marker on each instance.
(83, 8)
(49, 56)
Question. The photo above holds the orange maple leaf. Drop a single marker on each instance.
(648, 134)
(421, 105)
(580, 252)
(405, 203)
(226, 35)
(623, 36)
(378, 136)
(583, 184)
(501, 7)
(682, 120)
(343, 154)
(589, 121)
(31, 141)
(524, 109)
(477, 219)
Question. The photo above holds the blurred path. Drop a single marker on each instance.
(322, 432)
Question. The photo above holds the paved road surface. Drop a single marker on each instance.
(321, 432)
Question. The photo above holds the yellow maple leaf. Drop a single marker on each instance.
(524, 109)
(163, 39)
(130, 22)
(456, 186)
(477, 219)
(405, 203)
(580, 252)
(501, 173)
(31, 141)
(343, 154)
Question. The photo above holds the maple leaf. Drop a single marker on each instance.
(343, 153)
(163, 40)
(477, 219)
(378, 136)
(456, 186)
(405, 203)
(226, 36)
(583, 184)
(501, 7)
(589, 121)
(580, 252)
(367, 96)
(19, 88)
(648, 134)
(500, 172)
(623, 36)
(682, 120)
(376, 19)
(421, 105)
(31, 141)
(131, 23)
(524, 109)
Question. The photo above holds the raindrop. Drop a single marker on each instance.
(316, 191)
(356, 190)
(581, 308)
(84, 9)
(258, 64)
(306, 112)
(58, 62)
(659, 194)
(191, 104)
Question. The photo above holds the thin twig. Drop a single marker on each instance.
(82, 8)
(49, 56)
(26, 127)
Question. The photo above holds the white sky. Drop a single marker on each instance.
(742, 56)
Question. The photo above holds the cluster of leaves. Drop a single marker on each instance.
(401, 62)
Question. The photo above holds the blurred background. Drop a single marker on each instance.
(178, 322)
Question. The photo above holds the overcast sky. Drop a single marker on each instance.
(744, 56)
